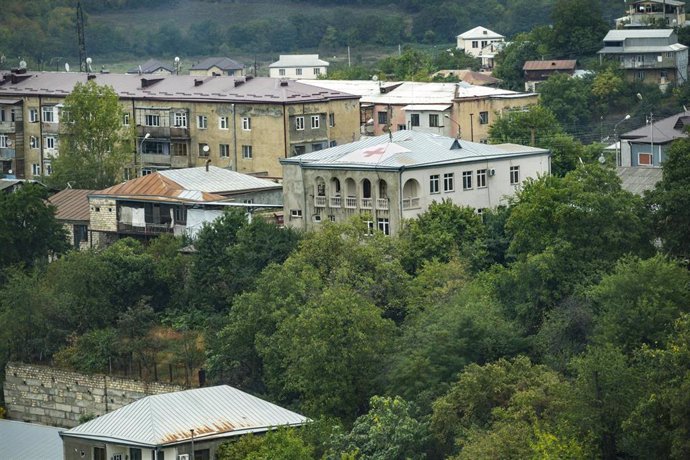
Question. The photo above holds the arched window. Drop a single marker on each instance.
(366, 188)
(335, 186)
(320, 187)
(411, 194)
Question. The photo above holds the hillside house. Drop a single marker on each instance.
(218, 66)
(474, 41)
(298, 67)
(537, 72)
(659, 13)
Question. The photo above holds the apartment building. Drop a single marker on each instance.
(241, 123)
(395, 177)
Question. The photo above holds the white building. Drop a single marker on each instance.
(396, 178)
(475, 40)
(298, 66)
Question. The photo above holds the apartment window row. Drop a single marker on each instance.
(470, 179)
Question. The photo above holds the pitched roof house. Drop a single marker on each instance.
(475, 40)
(152, 66)
(20, 441)
(72, 211)
(187, 424)
(537, 72)
(298, 66)
(217, 66)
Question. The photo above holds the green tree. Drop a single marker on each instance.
(280, 444)
(389, 431)
(578, 28)
(29, 232)
(95, 147)
(535, 127)
(670, 201)
(569, 99)
(524, 47)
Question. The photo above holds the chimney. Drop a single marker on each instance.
(283, 82)
(208, 163)
(146, 82)
(91, 76)
(198, 82)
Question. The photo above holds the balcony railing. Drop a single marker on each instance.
(148, 229)
(336, 201)
(367, 203)
(7, 127)
(320, 201)
(7, 154)
(382, 204)
(410, 203)
(155, 158)
(351, 202)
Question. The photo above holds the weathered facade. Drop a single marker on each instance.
(241, 123)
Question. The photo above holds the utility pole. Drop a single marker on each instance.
(83, 66)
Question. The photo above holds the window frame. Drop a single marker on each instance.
(448, 182)
(247, 152)
(50, 111)
(484, 118)
(383, 224)
(299, 123)
(467, 180)
(152, 119)
(414, 119)
(223, 123)
(434, 184)
(645, 154)
(434, 120)
(224, 150)
(246, 123)
(514, 175)
(50, 144)
(315, 121)
(201, 122)
(33, 115)
(481, 178)
(180, 120)
(202, 153)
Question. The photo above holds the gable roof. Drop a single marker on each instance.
(664, 130)
(479, 32)
(568, 64)
(151, 66)
(407, 149)
(166, 419)
(299, 60)
(623, 34)
(71, 204)
(222, 63)
(188, 185)
(19, 441)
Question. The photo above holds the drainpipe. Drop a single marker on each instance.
(234, 135)
(285, 129)
(400, 197)
(40, 136)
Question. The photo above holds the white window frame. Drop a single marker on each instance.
(202, 122)
(383, 224)
(48, 114)
(641, 154)
(152, 119)
(331, 120)
(299, 123)
(4, 139)
(467, 180)
(481, 178)
(223, 123)
(125, 119)
(315, 121)
(434, 184)
(317, 71)
(224, 150)
(50, 142)
(33, 115)
(281, 72)
(180, 119)
(246, 123)
(247, 152)
(33, 142)
(514, 175)
(298, 71)
(449, 182)
(295, 214)
(35, 169)
(202, 153)
(475, 43)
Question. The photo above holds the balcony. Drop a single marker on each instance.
(50, 128)
(382, 204)
(665, 63)
(7, 154)
(179, 133)
(179, 161)
(155, 158)
(351, 202)
(149, 229)
(319, 201)
(50, 153)
(367, 203)
(410, 203)
(154, 131)
(8, 127)
(336, 202)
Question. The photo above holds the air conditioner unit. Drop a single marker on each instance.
(492, 172)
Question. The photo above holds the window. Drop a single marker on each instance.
(180, 214)
(180, 119)
(331, 120)
(640, 75)
(514, 175)
(202, 121)
(152, 120)
(448, 179)
(299, 123)
(644, 159)
(295, 213)
(155, 148)
(475, 43)
(331, 217)
(134, 454)
(434, 183)
(179, 149)
(383, 118)
(483, 118)
(4, 141)
(223, 123)
(466, 180)
(298, 71)
(299, 149)
(315, 121)
(384, 226)
(481, 178)
(281, 72)
(48, 169)
(370, 227)
(246, 124)
(484, 43)
(402, 127)
(49, 114)
(36, 169)
(316, 147)
(125, 119)
(247, 152)
(99, 453)
(332, 143)
(50, 142)
(33, 142)
(147, 171)
(414, 119)
(224, 150)
(204, 149)
(433, 120)
(317, 71)
(33, 115)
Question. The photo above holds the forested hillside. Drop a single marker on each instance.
(43, 32)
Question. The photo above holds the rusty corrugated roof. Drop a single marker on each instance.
(71, 204)
(567, 64)
(167, 419)
(156, 186)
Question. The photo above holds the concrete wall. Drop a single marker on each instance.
(49, 396)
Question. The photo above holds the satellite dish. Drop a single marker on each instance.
(206, 148)
(375, 78)
(66, 67)
(22, 64)
(177, 59)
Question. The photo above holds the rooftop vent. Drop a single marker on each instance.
(146, 82)
(238, 82)
(198, 82)
(456, 145)
(91, 76)
(283, 82)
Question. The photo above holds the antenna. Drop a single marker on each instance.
(80, 36)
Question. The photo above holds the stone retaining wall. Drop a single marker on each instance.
(57, 397)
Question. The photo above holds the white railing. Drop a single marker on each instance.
(320, 201)
(336, 201)
(367, 203)
(410, 203)
(351, 202)
(382, 203)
